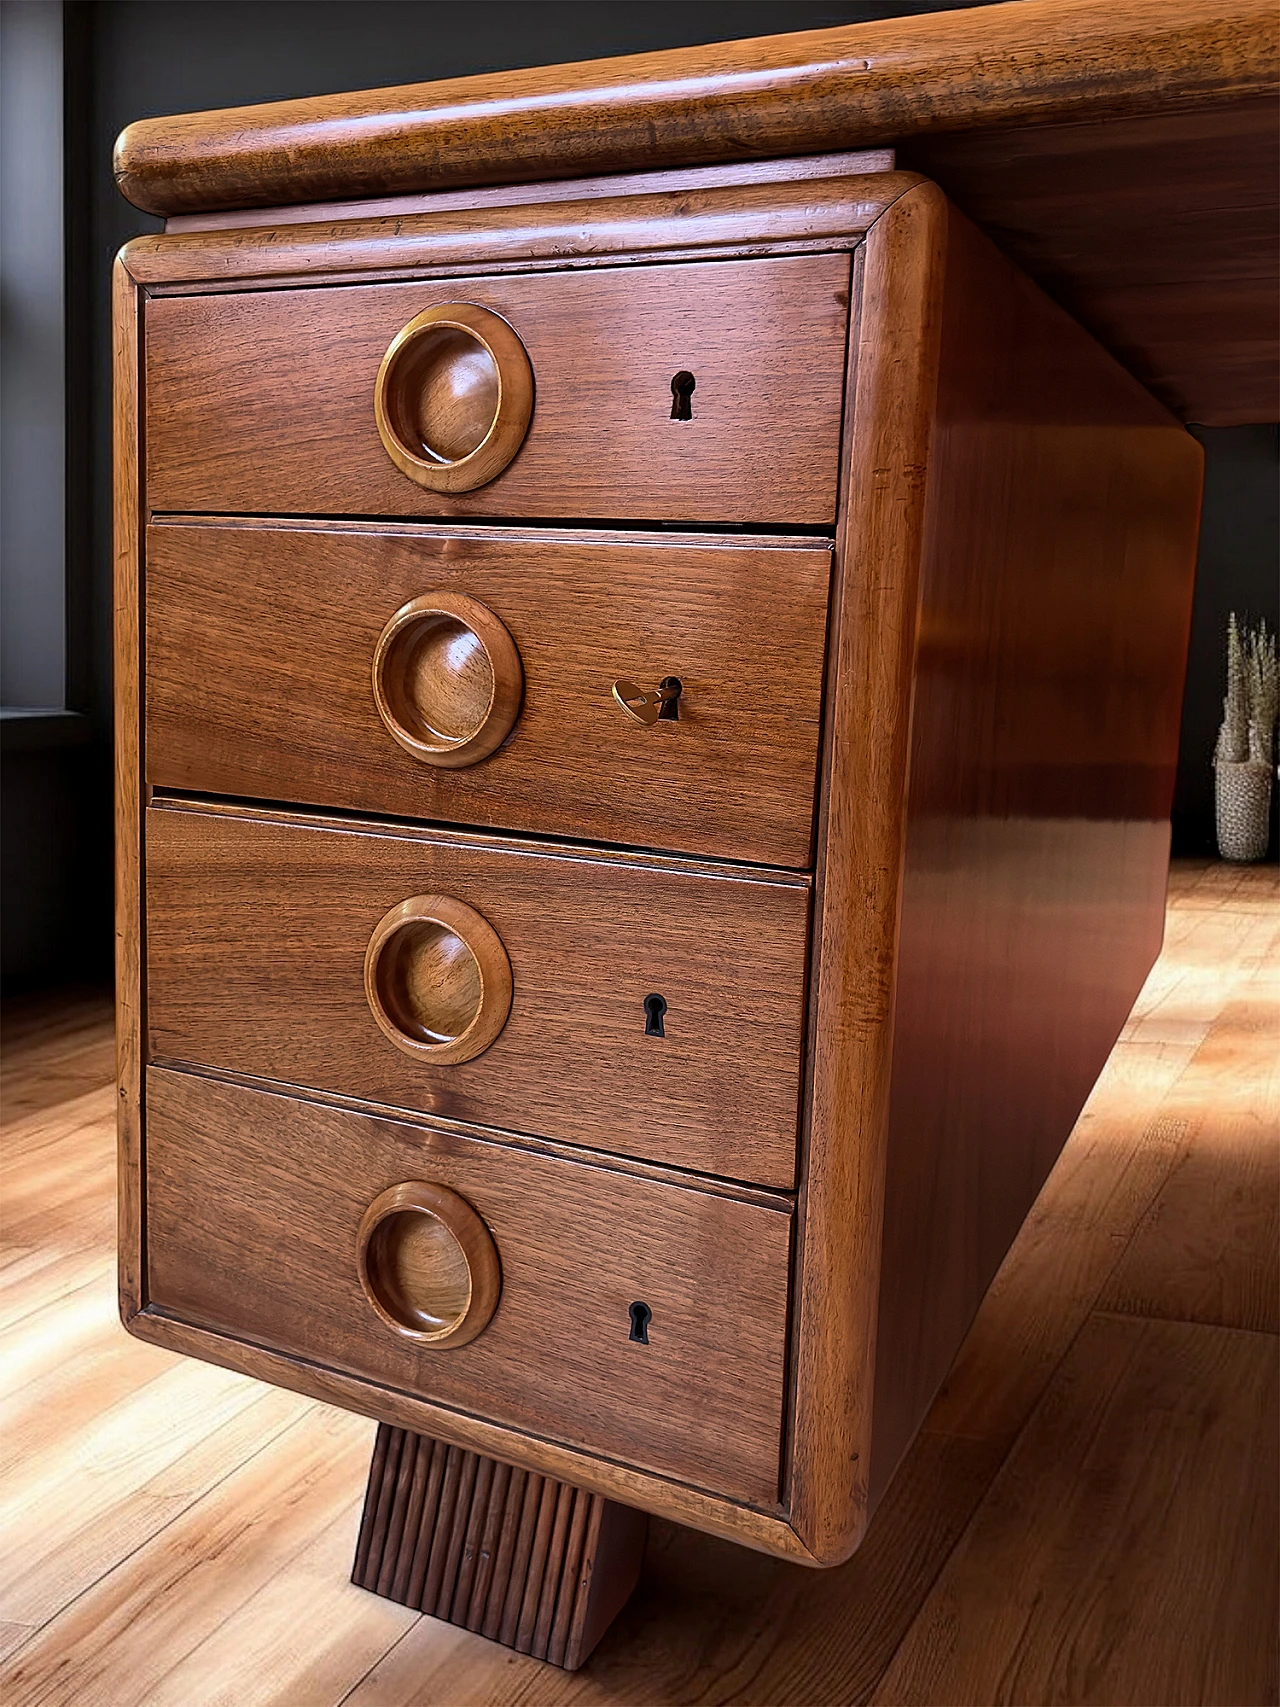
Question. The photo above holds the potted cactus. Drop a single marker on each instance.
(1244, 757)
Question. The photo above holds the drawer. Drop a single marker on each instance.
(652, 1009)
(265, 644)
(255, 1204)
(264, 401)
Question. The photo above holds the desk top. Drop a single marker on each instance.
(1123, 151)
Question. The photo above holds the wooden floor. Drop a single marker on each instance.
(1089, 1516)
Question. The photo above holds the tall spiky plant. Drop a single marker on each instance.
(1262, 683)
(1253, 696)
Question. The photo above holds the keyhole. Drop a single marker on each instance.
(641, 1316)
(654, 1008)
(682, 389)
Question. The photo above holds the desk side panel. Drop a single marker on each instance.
(1062, 516)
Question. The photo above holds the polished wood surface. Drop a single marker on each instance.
(988, 897)
(775, 95)
(285, 621)
(1055, 607)
(453, 397)
(447, 679)
(859, 859)
(212, 1560)
(256, 937)
(256, 926)
(634, 219)
(847, 163)
(1123, 154)
(263, 401)
(437, 979)
(228, 1168)
(129, 775)
(524, 1560)
(1159, 234)
(428, 1264)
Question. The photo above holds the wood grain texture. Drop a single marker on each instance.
(437, 979)
(257, 931)
(229, 1168)
(127, 624)
(262, 401)
(636, 219)
(428, 1264)
(859, 861)
(1147, 208)
(1062, 510)
(847, 163)
(453, 397)
(584, 1581)
(447, 679)
(1159, 234)
(745, 1525)
(1208, 1246)
(1087, 1240)
(284, 621)
(772, 96)
(1085, 1498)
(1026, 494)
(1195, 1266)
(280, 1505)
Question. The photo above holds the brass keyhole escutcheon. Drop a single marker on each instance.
(447, 680)
(437, 979)
(428, 1264)
(454, 397)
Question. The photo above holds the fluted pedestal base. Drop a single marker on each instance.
(535, 1564)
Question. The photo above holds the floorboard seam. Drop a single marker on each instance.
(1114, 1314)
(155, 1534)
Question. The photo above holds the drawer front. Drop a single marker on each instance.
(261, 645)
(264, 401)
(254, 1206)
(258, 933)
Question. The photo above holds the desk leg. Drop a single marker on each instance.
(535, 1564)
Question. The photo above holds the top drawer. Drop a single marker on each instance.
(263, 401)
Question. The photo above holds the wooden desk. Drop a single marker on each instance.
(648, 708)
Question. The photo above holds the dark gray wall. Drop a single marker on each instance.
(1237, 571)
(138, 58)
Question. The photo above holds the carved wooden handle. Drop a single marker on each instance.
(428, 1264)
(437, 979)
(447, 679)
(453, 397)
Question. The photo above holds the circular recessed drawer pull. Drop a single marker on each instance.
(453, 397)
(437, 979)
(428, 1264)
(447, 679)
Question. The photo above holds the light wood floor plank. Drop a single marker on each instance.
(55, 1048)
(184, 1619)
(1208, 1248)
(131, 1470)
(1127, 1552)
(713, 1622)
